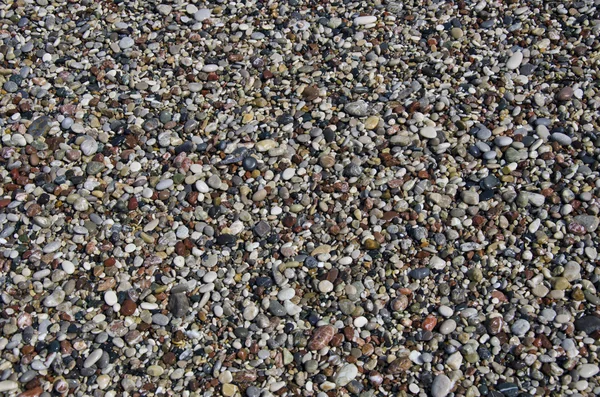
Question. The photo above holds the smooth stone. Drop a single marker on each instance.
(520, 327)
(428, 132)
(372, 122)
(365, 20)
(502, 141)
(8, 385)
(110, 297)
(514, 61)
(93, 358)
(565, 94)
(588, 370)
(56, 298)
(286, 294)
(160, 319)
(470, 197)
(126, 42)
(508, 389)
(346, 374)
(89, 146)
(179, 304)
(325, 286)
(164, 184)
(420, 273)
(276, 309)
(447, 327)
(588, 324)
(202, 14)
(155, 370)
(441, 386)
(561, 138)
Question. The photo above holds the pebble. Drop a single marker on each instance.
(126, 42)
(346, 374)
(110, 297)
(588, 370)
(515, 61)
(441, 386)
(428, 132)
(365, 20)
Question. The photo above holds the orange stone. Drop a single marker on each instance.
(429, 323)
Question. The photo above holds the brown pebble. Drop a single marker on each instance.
(128, 307)
(321, 337)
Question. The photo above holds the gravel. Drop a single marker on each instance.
(299, 199)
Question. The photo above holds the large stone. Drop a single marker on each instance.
(514, 61)
(589, 222)
(179, 305)
(441, 386)
(321, 337)
(357, 109)
(524, 198)
(40, 126)
(588, 324)
(346, 374)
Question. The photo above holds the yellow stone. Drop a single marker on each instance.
(260, 102)
(372, 122)
(322, 249)
(229, 389)
(371, 244)
(247, 117)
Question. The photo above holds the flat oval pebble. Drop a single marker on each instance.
(365, 20)
(428, 132)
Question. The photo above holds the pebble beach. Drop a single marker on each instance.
(299, 198)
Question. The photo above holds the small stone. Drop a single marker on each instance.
(56, 298)
(93, 358)
(179, 305)
(261, 229)
(126, 42)
(508, 389)
(164, 184)
(520, 327)
(276, 309)
(110, 297)
(561, 138)
(365, 20)
(447, 327)
(155, 370)
(229, 389)
(89, 146)
(565, 94)
(419, 273)
(589, 222)
(325, 286)
(371, 123)
(202, 14)
(470, 197)
(8, 385)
